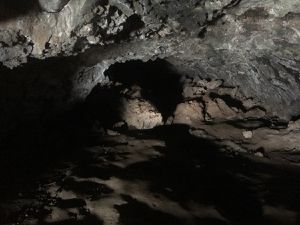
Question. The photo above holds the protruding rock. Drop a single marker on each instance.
(53, 6)
(190, 113)
(218, 109)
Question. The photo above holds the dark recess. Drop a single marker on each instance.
(13, 8)
(159, 81)
(132, 24)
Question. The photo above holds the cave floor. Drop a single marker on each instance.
(163, 176)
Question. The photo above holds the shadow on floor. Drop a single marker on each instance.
(90, 220)
(189, 180)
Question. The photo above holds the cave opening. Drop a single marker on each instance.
(157, 80)
(140, 94)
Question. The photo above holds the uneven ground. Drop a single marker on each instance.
(158, 176)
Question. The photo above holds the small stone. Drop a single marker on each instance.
(247, 134)
(119, 124)
(93, 40)
(112, 133)
(259, 154)
(169, 189)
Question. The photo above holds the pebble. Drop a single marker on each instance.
(112, 133)
(259, 154)
(247, 134)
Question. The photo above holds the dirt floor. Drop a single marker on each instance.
(162, 176)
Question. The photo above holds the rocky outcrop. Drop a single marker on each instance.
(252, 47)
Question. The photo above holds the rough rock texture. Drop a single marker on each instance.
(140, 114)
(254, 47)
(190, 113)
(53, 5)
(239, 59)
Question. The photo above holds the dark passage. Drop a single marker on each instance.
(159, 82)
(13, 8)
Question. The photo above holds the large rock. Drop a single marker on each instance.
(140, 114)
(190, 113)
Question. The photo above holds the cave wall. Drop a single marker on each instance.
(254, 47)
(54, 52)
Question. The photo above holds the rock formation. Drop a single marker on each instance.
(237, 61)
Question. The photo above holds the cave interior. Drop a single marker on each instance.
(152, 112)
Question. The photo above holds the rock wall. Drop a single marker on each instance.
(54, 52)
